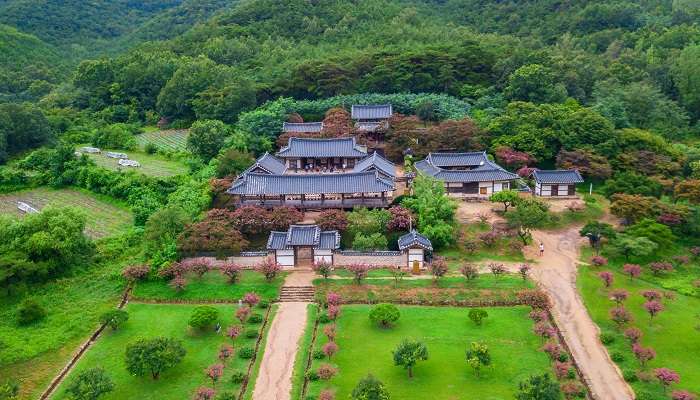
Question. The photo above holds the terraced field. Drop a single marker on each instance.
(169, 139)
(103, 218)
(151, 164)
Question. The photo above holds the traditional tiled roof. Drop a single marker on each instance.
(485, 171)
(374, 111)
(268, 163)
(557, 176)
(414, 238)
(303, 235)
(302, 127)
(378, 162)
(442, 160)
(317, 148)
(275, 185)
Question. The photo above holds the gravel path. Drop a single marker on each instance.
(556, 273)
(274, 380)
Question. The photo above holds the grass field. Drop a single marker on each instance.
(365, 348)
(673, 333)
(180, 382)
(303, 353)
(105, 216)
(168, 140)
(151, 164)
(212, 286)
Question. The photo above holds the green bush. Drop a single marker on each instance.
(238, 377)
(263, 304)
(318, 354)
(30, 312)
(251, 334)
(384, 315)
(115, 136)
(312, 375)
(227, 396)
(203, 317)
(375, 241)
(324, 318)
(114, 318)
(246, 353)
(630, 375)
(255, 319)
(607, 338)
(563, 357)
(150, 148)
(617, 356)
(477, 315)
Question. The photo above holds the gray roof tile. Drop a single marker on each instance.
(319, 148)
(472, 159)
(557, 176)
(302, 127)
(378, 162)
(414, 238)
(274, 185)
(303, 235)
(486, 170)
(268, 163)
(373, 111)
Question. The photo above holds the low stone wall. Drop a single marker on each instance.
(374, 259)
(246, 260)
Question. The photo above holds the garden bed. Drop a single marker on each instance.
(149, 321)
(447, 332)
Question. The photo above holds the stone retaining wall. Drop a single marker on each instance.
(372, 259)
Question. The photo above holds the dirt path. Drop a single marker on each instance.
(556, 273)
(274, 380)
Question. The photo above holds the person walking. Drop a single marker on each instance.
(541, 249)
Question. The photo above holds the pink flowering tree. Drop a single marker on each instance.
(400, 219)
(329, 349)
(657, 268)
(524, 269)
(497, 269)
(682, 395)
(359, 271)
(438, 268)
(538, 315)
(619, 295)
(633, 334)
(653, 307)
(243, 313)
(326, 371)
(251, 299)
(225, 352)
(214, 372)
(323, 268)
(204, 393)
(200, 266)
(333, 299)
(599, 261)
(607, 277)
(269, 268)
(620, 316)
(544, 330)
(134, 273)
(561, 369)
(643, 354)
(552, 349)
(666, 377)
(330, 332)
(326, 395)
(632, 270)
(231, 271)
(651, 295)
(333, 312)
(178, 283)
(233, 332)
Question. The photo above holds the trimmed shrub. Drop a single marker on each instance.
(238, 377)
(203, 317)
(255, 319)
(384, 315)
(246, 353)
(30, 312)
(607, 338)
(251, 334)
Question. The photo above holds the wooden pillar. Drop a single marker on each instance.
(342, 198)
(282, 199)
(323, 198)
(303, 197)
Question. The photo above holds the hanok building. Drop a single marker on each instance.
(303, 245)
(375, 162)
(267, 164)
(302, 127)
(556, 183)
(345, 190)
(369, 118)
(417, 246)
(467, 175)
(321, 155)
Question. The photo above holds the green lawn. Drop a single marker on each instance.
(673, 333)
(180, 382)
(303, 353)
(151, 164)
(365, 348)
(501, 250)
(212, 286)
(105, 216)
(168, 140)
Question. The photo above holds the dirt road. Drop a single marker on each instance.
(556, 273)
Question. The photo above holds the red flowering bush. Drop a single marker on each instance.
(552, 349)
(620, 316)
(633, 334)
(135, 273)
(269, 268)
(231, 271)
(326, 371)
(329, 349)
(607, 277)
(633, 270)
(599, 261)
(332, 220)
(333, 299)
(657, 268)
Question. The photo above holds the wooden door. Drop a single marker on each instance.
(555, 190)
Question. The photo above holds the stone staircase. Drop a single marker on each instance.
(297, 294)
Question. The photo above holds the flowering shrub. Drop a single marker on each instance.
(231, 271)
(470, 271)
(599, 261)
(651, 295)
(497, 269)
(225, 352)
(269, 268)
(666, 376)
(135, 273)
(561, 369)
(538, 315)
(178, 283)
(326, 395)
(438, 268)
(544, 330)
(333, 312)
(643, 354)
(619, 295)
(214, 372)
(323, 268)
(243, 313)
(234, 331)
(329, 349)
(534, 298)
(359, 271)
(607, 277)
(333, 299)
(251, 299)
(330, 332)
(653, 308)
(633, 334)
(620, 316)
(657, 268)
(204, 393)
(633, 270)
(552, 349)
(326, 371)
(573, 390)
(682, 395)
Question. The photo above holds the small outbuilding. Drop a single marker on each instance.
(556, 183)
(417, 247)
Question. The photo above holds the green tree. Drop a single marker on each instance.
(115, 136)
(22, 127)
(408, 353)
(631, 183)
(630, 246)
(206, 138)
(203, 317)
(153, 356)
(384, 315)
(370, 388)
(90, 384)
(232, 162)
(478, 356)
(374, 241)
(686, 75)
(114, 318)
(9, 390)
(477, 315)
(435, 211)
(225, 103)
(163, 227)
(654, 231)
(506, 197)
(529, 214)
(534, 83)
(595, 231)
(539, 387)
